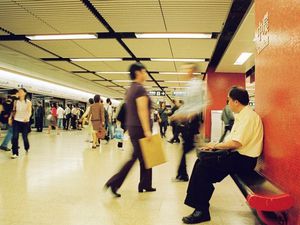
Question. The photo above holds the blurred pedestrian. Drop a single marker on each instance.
(138, 123)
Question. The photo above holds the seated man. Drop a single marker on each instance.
(244, 146)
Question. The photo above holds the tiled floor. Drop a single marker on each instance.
(60, 182)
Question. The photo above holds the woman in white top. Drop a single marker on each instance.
(20, 121)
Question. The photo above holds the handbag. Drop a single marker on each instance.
(212, 157)
(49, 117)
(101, 133)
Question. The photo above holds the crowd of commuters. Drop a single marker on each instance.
(235, 152)
(17, 115)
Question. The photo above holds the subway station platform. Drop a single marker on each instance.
(60, 182)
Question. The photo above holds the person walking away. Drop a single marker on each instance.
(68, 117)
(39, 117)
(60, 117)
(121, 115)
(53, 120)
(74, 117)
(174, 124)
(8, 106)
(228, 119)
(19, 119)
(138, 123)
(163, 119)
(109, 111)
(96, 115)
(189, 114)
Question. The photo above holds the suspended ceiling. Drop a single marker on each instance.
(28, 17)
(243, 41)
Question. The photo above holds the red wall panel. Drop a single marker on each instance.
(278, 96)
(218, 85)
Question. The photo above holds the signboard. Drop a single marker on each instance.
(179, 93)
(262, 34)
(156, 93)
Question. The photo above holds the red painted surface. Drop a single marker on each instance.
(218, 85)
(278, 97)
(275, 203)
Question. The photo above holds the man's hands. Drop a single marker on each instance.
(208, 147)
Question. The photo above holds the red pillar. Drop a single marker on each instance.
(278, 96)
(218, 85)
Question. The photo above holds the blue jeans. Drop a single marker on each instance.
(8, 137)
(110, 130)
(60, 123)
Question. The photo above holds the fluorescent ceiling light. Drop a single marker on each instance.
(173, 35)
(176, 73)
(62, 37)
(242, 58)
(176, 87)
(179, 60)
(15, 80)
(96, 59)
(112, 72)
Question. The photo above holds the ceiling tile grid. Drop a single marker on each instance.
(65, 65)
(64, 48)
(89, 76)
(103, 48)
(152, 48)
(16, 19)
(75, 16)
(115, 76)
(132, 16)
(193, 48)
(160, 66)
(26, 48)
(195, 15)
(72, 16)
(94, 66)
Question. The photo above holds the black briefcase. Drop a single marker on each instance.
(212, 157)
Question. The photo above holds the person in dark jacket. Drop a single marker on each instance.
(39, 117)
(163, 119)
(174, 124)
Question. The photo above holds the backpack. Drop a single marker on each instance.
(122, 114)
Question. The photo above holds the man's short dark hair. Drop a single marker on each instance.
(91, 101)
(239, 94)
(135, 67)
(97, 98)
(108, 101)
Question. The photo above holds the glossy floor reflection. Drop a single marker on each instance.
(60, 182)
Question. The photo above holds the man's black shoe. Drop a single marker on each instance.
(4, 148)
(197, 217)
(181, 179)
(171, 141)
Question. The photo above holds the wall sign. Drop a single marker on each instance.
(262, 34)
(179, 93)
(156, 93)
